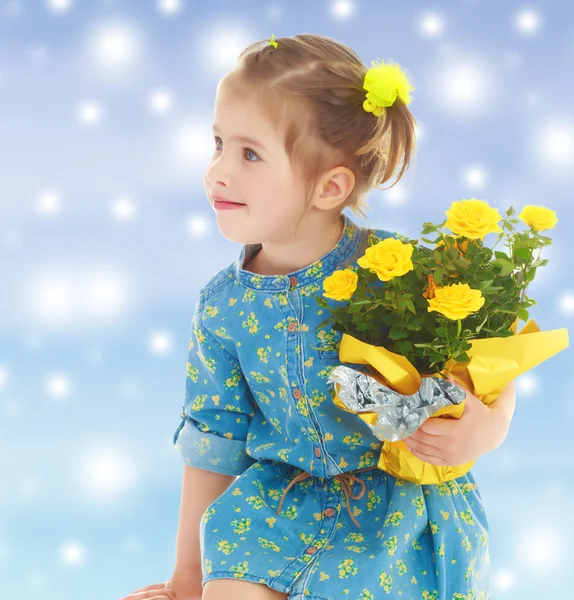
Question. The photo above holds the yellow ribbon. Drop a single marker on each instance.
(494, 362)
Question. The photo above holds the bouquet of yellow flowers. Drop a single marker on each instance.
(415, 312)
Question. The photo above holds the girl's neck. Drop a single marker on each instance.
(279, 261)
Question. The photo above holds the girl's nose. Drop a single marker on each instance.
(219, 170)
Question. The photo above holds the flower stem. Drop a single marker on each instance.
(459, 328)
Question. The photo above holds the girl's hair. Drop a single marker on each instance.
(311, 86)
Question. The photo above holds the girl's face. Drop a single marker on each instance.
(255, 172)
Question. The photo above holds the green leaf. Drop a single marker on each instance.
(523, 253)
(411, 306)
(353, 308)
(484, 276)
(462, 263)
(322, 302)
(397, 333)
(506, 266)
(523, 314)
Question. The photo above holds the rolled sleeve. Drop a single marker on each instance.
(218, 406)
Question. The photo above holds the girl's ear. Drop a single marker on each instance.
(334, 187)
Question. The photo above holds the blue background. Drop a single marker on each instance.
(106, 236)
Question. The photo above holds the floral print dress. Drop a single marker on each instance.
(309, 513)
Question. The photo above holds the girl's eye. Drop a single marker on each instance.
(247, 150)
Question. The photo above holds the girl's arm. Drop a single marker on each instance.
(503, 409)
(199, 489)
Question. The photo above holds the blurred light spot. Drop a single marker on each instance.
(106, 473)
(343, 9)
(115, 46)
(3, 377)
(72, 554)
(59, 6)
(160, 101)
(192, 145)
(504, 580)
(527, 22)
(89, 112)
(553, 145)
(470, 88)
(431, 25)
(542, 550)
(396, 195)
(475, 176)
(61, 297)
(103, 294)
(169, 7)
(123, 208)
(57, 386)
(160, 343)
(198, 226)
(49, 202)
(527, 384)
(52, 297)
(222, 44)
(565, 302)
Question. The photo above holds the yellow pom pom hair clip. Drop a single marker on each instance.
(384, 82)
(272, 41)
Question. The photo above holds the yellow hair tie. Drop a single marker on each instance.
(384, 82)
(271, 41)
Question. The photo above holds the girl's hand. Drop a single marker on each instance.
(167, 591)
(454, 442)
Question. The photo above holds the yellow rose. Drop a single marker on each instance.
(472, 218)
(538, 217)
(341, 285)
(389, 258)
(456, 301)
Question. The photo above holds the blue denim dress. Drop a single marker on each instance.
(310, 514)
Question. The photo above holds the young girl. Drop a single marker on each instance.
(282, 497)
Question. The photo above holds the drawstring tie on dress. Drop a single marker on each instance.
(346, 480)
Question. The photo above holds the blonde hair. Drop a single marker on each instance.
(311, 86)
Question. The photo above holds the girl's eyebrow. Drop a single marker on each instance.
(242, 138)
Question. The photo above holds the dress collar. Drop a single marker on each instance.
(317, 271)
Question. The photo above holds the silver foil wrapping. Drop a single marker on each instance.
(398, 416)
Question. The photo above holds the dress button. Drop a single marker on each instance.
(329, 512)
(292, 326)
(317, 452)
(311, 550)
(297, 393)
(292, 281)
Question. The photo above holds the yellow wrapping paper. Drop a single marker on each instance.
(494, 362)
